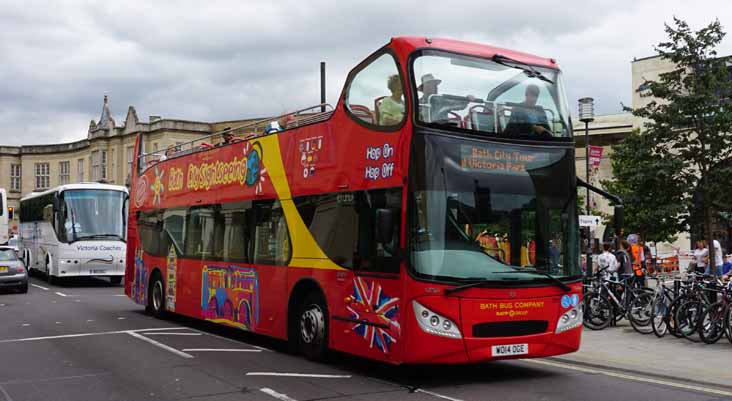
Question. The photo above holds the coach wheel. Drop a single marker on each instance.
(156, 298)
(313, 327)
(115, 280)
(26, 262)
(49, 277)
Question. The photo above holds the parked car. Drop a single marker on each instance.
(13, 243)
(12, 271)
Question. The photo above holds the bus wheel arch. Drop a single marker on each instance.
(308, 320)
(156, 294)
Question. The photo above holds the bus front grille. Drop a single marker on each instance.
(510, 329)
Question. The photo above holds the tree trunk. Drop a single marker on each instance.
(708, 227)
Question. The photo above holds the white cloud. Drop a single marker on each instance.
(224, 60)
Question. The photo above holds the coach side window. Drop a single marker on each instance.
(270, 239)
(236, 236)
(174, 227)
(200, 230)
(344, 226)
(375, 95)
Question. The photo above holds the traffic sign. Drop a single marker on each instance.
(591, 221)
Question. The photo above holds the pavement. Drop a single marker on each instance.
(85, 341)
(624, 349)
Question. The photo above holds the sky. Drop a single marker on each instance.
(227, 60)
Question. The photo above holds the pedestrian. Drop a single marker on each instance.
(700, 257)
(718, 260)
(625, 261)
(636, 253)
(607, 262)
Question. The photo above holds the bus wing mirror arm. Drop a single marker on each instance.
(618, 210)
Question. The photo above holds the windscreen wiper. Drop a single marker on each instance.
(528, 69)
(466, 286)
(561, 284)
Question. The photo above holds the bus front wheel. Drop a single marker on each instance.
(50, 277)
(156, 298)
(313, 327)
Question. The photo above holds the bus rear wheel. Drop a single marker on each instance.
(156, 298)
(313, 327)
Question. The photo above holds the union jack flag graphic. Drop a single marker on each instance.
(371, 305)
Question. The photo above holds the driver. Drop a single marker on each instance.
(527, 116)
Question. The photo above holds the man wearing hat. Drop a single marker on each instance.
(428, 87)
(527, 117)
(440, 107)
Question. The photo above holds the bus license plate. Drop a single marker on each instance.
(511, 349)
(3, 269)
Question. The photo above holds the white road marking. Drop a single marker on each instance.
(58, 322)
(159, 345)
(99, 333)
(220, 350)
(317, 376)
(61, 294)
(173, 334)
(279, 396)
(77, 300)
(41, 287)
(25, 324)
(120, 318)
(444, 397)
(631, 377)
(5, 394)
(119, 295)
(53, 302)
(230, 340)
(89, 321)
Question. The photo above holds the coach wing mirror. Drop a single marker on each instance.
(385, 225)
(618, 217)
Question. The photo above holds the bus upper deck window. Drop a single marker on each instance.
(375, 95)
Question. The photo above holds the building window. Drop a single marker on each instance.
(103, 165)
(130, 155)
(95, 176)
(63, 173)
(15, 177)
(80, 169)
(43, 179)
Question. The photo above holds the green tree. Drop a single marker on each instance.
(690, 116)
(654, 199)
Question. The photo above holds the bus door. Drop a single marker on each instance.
(366, 322)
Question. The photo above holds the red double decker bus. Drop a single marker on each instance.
(430, 217)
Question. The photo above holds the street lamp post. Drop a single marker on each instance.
(587, 115)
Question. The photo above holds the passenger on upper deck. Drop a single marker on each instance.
(391, 109)
(428, 87)
(440, 106)
(527, 117)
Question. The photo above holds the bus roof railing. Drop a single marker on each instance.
(255, 129)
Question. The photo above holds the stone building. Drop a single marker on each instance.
(105, 155)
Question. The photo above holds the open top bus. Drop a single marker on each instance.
(430, 217)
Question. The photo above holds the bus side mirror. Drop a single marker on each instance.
(385, 225)
(618, 213)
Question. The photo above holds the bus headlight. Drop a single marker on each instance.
(570, 319)
(434, 323)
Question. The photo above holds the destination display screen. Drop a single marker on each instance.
(503, 160)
